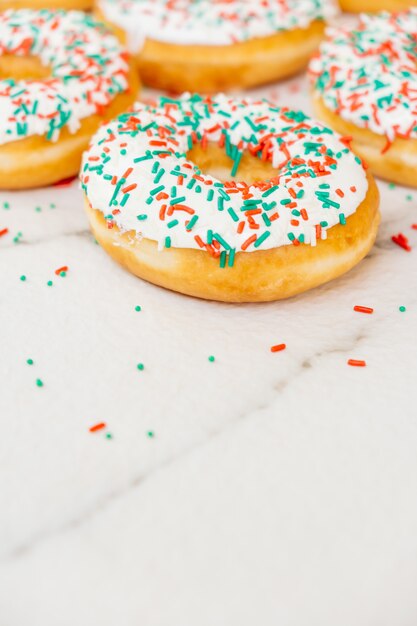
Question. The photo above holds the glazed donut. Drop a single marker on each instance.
(373, 6)
(365, 85)
(69, 75)
(228, 199)
(215, 45)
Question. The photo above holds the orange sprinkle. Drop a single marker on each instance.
(4, 232)
(248, 242)
(129, 188)
(356, 363)
(64, 268)
(278, 347)
(97, 427)
(199, 241)
(363, 309)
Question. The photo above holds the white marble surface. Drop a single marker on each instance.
(278, 489)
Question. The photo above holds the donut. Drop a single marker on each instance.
(61, 75)
(216, 45)
(228, 199)
(374, 6)
(365, 86)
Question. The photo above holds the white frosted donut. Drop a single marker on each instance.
(210, 45)
(61, 74)
(279, 203)
(365, 85)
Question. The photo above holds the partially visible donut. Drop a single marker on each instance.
(365, 85)
(228, 199)
(374, 6)
(215, 45)
(76, 5)
(61, 75)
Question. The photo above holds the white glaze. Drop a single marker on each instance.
(210, 22)
(225, 111)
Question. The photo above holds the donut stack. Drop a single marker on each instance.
(223, 197)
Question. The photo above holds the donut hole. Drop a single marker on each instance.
(214, 161)
(23, 68)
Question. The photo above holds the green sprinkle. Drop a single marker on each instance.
(109, 436)
(39, 382)
(402, 309)
(211, 359)
(138, 308)
(167, 242)
(49, 283)
(192, 222)
(150, 434)
(30, 361)
(23, 278)
(140, 366)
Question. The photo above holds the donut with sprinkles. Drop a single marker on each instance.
(215, 45)
(365, 85)
(228, 199)
(61, 75)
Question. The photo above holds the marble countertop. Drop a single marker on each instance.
(270, 489)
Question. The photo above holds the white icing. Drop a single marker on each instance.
(210, 22)
(294, 136)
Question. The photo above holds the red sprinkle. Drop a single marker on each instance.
(402, 241)
(414, 226)
(363, 309)
(278, 347)
(64, 268)
(4, 232)
(97, 427)
(356, 363)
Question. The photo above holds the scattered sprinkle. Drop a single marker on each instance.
(363, 309)
(211, 359)
(356, 363)
(402, 309)
(61, 270)
(402, 241)
(39, 382)
(140, 366)
(278, 347)
(97, 427)
(30, 361)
